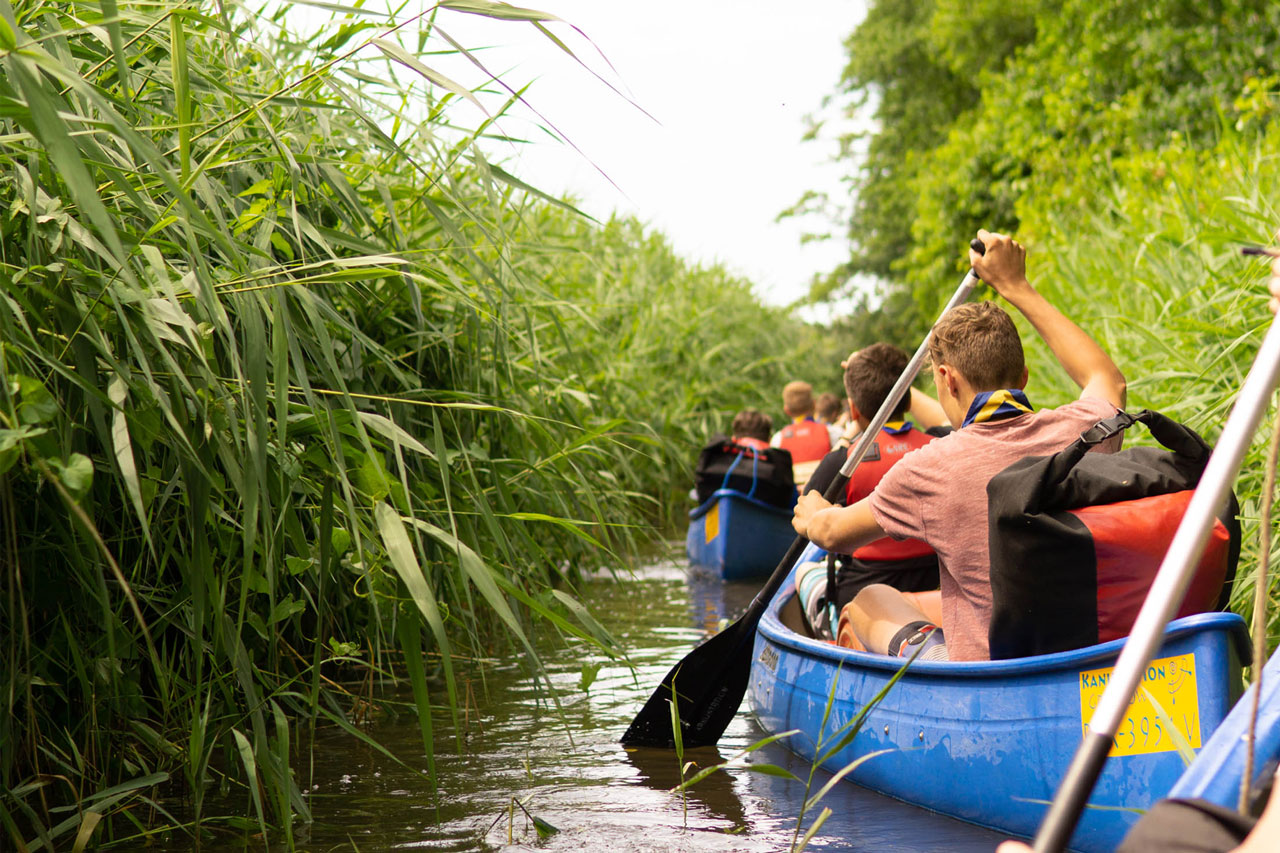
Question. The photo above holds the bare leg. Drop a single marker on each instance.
(929, 603)
(878, 612)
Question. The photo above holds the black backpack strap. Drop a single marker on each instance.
(1177, 437)
(1174, 436)
(1109, 428)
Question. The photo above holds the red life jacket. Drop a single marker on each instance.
(889, 446)
(806, 441)
(751, 443)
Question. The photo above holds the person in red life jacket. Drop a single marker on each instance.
(910, 564)
(938, 492)
(804, 438)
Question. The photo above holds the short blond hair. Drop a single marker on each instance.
(979, 340)
(797, 399)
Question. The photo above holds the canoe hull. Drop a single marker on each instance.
(989, 742)
(738, 537)
(1219, 768)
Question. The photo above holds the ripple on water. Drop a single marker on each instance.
(564, 762)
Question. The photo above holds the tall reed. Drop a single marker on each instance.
(301, 393)
(1146, 257)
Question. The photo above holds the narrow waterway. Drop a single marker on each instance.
(566, 766)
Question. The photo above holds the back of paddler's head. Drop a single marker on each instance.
(797, 399)
(979, 340)
(752, 423)
(869, 376)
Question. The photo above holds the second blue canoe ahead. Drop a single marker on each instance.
(737, 536)
(988, 742)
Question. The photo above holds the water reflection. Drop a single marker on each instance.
(713, 603)
(562, 760)
(715, 795)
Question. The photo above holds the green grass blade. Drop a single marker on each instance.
(405, 562)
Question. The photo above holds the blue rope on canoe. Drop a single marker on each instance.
(724, 484)
(755, 467)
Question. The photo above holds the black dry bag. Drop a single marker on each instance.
(1076, 538)
(764, 474)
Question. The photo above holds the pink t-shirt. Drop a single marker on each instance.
(939, 494)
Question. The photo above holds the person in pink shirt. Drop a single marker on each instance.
(938, 493)
(1196, 826)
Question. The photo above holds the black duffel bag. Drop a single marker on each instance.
(1076, 538)
(763, 473)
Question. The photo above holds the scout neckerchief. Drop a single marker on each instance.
(896, 427)
(996, 406)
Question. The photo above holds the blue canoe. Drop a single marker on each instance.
(1216, 773)
(738, 536)
(988, 742)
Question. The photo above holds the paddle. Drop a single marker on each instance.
(1165, 596)
(711, 680)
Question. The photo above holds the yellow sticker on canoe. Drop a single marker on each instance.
(713, 522)
(1167, 697)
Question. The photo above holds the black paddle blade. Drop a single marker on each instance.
(709, 685)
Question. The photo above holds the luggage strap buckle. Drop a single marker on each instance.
(1108, 428)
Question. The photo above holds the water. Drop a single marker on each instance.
(568, 769)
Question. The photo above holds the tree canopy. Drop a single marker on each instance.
(982, 111)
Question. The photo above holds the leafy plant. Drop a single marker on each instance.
(301, 394)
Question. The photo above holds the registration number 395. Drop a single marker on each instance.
(1163, 714)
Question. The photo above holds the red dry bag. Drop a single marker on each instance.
(1076, 538)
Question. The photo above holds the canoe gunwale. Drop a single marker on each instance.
(772, 628)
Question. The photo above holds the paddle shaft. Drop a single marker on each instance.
(1165, 596)
(715, 673)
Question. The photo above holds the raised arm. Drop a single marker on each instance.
(1273, 285)
(1004, 268)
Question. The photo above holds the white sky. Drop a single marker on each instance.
(729, 83)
